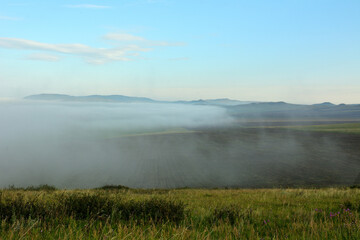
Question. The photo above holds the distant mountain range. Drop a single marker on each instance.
(282, 110)
(127, 99)
(91, 98)
(238, 109)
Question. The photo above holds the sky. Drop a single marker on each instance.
(299, 51)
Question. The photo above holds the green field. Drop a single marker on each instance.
(338, 128)
(147, 132)
(331, 213)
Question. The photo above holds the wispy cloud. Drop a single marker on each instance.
(43, 57)
(123, 37)
(179, 59)
(125, 47)
(91, 6)
(88, 53)
(9, 18)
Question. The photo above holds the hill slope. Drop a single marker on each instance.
(91, 98)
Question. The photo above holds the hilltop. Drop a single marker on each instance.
(129, 99)
(237, 108)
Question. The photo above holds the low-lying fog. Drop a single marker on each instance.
(67, 144)
(83, 145)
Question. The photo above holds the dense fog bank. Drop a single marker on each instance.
(55, 143)
(84, 145)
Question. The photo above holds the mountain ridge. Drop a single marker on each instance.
(236, 108)
(130, 99)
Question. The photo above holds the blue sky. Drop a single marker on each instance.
(295, 51)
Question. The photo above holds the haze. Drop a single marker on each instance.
(56, 143)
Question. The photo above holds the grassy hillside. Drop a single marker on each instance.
(339, 128)
(112, 213)
(143, 132)
(310, 126)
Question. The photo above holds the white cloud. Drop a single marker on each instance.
(165, 44)
(126, 47)
(89, 54)
(9, 18)
(92, 6)
(43, 57)
(123, 37)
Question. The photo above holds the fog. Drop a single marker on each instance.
(67, 144)
(85, 145)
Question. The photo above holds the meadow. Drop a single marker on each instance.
(114, 212)
(352, 128)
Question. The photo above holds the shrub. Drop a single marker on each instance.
(20, 208)
(86, 206)
(113, 187)
(43, 187)
(229, 214)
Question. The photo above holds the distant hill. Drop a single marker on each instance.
(238, 109)
(91, 98)
(216, 102)
(282, 110)
(127, 99)
(226, 101)
(324, 104)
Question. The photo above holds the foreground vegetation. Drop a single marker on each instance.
(121, 213)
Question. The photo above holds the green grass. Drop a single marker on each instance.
(122, 213)
(144, 132)
(339, 128)
(353, 128)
